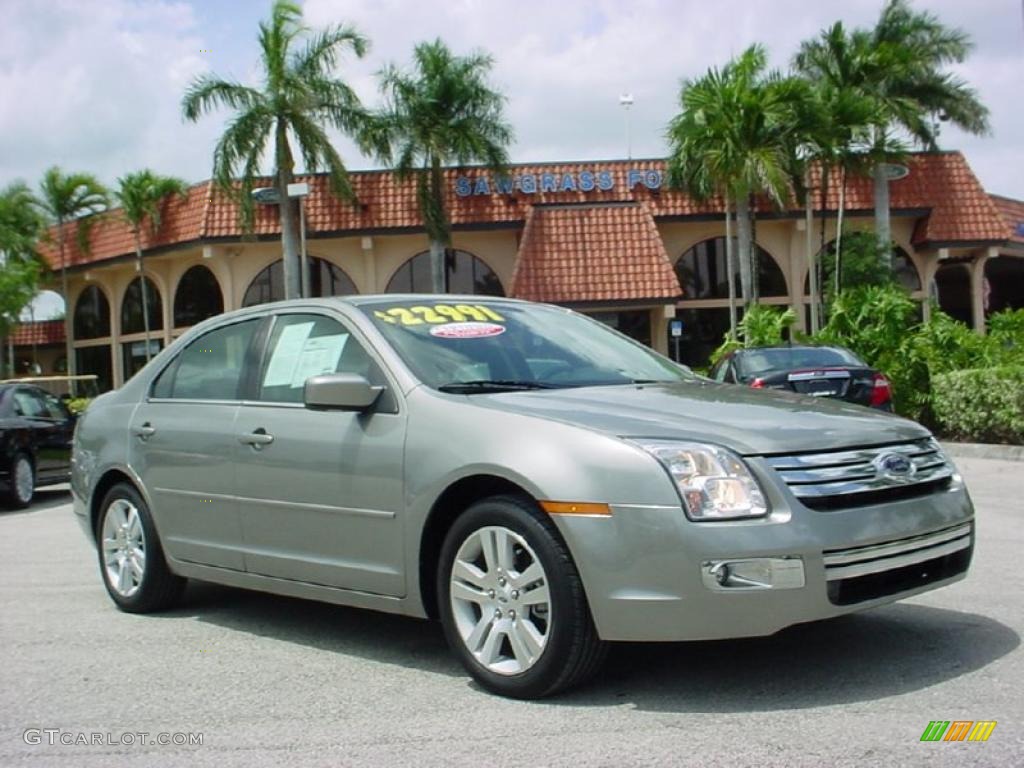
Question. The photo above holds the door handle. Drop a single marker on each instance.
(256, 439)
(144, 432)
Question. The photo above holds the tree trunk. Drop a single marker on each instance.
(755, 255)
(69, 342)
(839, 228)
(883, 229)
(438, 283)
(743, 229)
(730, 267)
(812, 266)
(143, 285)
(286, 212)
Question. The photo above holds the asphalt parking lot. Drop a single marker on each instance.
(276, 681)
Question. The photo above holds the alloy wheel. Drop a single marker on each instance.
(124, 547)
(24, 483)
(500, 600)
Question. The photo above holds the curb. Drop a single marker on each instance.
(985, 451)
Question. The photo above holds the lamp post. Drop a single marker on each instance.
(269, 196)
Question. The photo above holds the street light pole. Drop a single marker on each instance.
(626, 101)
(269, 196)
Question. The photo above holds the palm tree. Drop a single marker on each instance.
(20, 227)
(836, 120)
(63, 198)
(913, 48)
(443, 112)
(142, 196)
(898, 67)
(300, 97)
(732, 138)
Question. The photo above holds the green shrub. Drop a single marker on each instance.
(762, 326)
(78, 404)
(982, 405)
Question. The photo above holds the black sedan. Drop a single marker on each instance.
(35, 442)
(816, 371)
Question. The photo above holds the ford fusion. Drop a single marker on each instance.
(539, 483)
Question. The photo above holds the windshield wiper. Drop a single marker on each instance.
(493, 385)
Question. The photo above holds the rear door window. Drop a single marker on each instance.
(210, 368)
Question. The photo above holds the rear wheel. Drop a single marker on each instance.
(512, 602)
(132, 562)
(22, 482)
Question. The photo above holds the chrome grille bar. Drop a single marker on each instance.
(844, 473)
(877, 558)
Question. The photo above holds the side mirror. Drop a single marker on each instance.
(340, 391)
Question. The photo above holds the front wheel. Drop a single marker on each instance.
(132, 562)
(512, 603)
(22, 482)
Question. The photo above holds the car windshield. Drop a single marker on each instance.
(500, 346)
(760, 361)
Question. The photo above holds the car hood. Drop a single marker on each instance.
(752, 422)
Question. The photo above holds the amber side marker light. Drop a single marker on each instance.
(575, 508)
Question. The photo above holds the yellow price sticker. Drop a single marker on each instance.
(437, 314)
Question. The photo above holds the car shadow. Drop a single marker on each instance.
(371, 635)
(886, 652)
(45, 498)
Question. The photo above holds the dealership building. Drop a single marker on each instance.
(606, 238)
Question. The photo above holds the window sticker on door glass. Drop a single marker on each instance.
(285, 357)
(438, 314)
(320, 354)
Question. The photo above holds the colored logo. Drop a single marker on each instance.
(958, 730)
(894, 465)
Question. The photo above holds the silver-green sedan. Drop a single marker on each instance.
(538, 482)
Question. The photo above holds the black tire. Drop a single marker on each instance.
(158, 588)
(573, 652)
(15, 498)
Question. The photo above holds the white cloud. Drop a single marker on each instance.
(96, 85)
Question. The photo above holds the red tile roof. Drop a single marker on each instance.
(941, 183)
(1012, 212)
(592, 253)
(42, 332)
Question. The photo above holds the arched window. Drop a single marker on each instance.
(92, 314)
(902, 265)
(703, 274)
(463, 272)
(325, 279)
(198, 297)
(131, 307)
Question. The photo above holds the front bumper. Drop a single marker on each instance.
(646, 569)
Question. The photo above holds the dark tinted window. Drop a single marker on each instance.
(760, 361)
(131, 307)
(92, 314)
(210, 368)
(302, 346)
(463, 273)
(325, 279)
(703, 274)
(197, 297)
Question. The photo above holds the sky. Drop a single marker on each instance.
(96, 85)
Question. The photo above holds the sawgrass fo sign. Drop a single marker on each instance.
(599, 179)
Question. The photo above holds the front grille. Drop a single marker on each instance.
(864, 573)
(852, 478)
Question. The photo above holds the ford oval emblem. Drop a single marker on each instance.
(895, 466)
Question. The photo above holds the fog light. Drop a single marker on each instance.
(753, 573)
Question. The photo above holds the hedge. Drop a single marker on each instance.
(981, 405)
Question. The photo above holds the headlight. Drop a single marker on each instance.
(713, 482)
